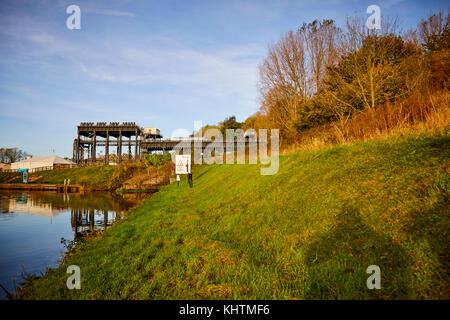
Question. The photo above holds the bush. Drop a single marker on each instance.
(156, 160)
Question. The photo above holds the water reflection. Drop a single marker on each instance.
(32, 225)
(84, 221)
(21, 202)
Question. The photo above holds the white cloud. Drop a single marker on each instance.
(227, 69)
(222, 72)
(107, 12)
(158, 75)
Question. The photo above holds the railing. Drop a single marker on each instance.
(47, 168)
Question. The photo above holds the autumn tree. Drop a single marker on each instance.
(434, 34)
(321, 41)
(294, 70)
(229, 123)
(321, 74)
(284, 81)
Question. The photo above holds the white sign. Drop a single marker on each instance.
(182, 163)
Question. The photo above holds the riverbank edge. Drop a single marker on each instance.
(89, 179)
(327, 153)
(72, 249)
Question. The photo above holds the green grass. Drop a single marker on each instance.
(101, 177)
(90, 176)
(308, 232)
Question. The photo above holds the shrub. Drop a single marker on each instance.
(156, 160)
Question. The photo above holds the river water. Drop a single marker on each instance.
(36, 226)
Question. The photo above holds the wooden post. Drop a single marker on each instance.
(136, 156)
(119, 147)
(74, 157)
(129, 148)
(107, 148)
(140, 150)
(78, 147)
(94, 147)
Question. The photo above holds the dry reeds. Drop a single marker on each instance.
(416, 114)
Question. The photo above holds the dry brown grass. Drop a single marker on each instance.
(419, 113)
(150, 178)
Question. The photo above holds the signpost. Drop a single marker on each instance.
(183, 166)
(25, 175)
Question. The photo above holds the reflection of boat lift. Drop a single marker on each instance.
(83, 220)
(25, 175)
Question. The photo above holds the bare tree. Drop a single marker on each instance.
(434, 31)
(10, 155)
(294, 70)
(321, 40)
(284, 81)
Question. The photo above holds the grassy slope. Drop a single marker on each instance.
(90, 176)
(7, 176)
(309, 231)
(99, 177)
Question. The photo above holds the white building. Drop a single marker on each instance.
(42, 163)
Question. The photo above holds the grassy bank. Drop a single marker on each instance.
(310, 231)
(6, 177)
(98, 177)
(132, 176)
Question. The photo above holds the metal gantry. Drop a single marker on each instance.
(144, 140)
(88, 134)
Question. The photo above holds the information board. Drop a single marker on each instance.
(182, 164)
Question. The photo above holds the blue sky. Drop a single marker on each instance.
(157, 63)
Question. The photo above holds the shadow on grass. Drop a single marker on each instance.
(337, 261)
(430, 229)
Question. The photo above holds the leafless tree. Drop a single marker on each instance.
(10, 155)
